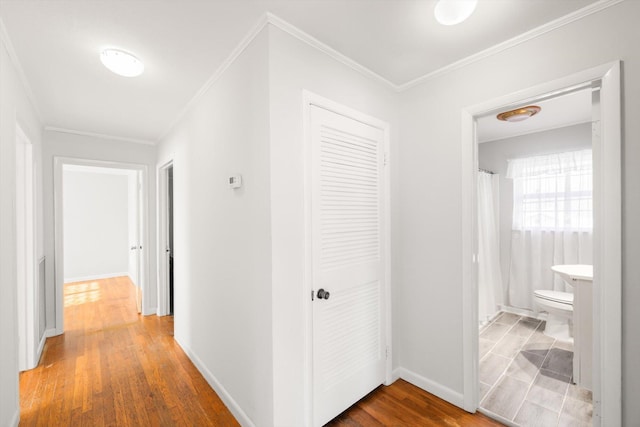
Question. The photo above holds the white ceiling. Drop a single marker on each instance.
(561, 111)
(183, 42)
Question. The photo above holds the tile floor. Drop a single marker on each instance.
(525, 376)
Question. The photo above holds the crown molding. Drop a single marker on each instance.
(270, 18)
(99, 135)
(244, 43)
(313, 42)
(8, 45)
(266, 19)
(524, 37)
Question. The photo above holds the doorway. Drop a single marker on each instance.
(605, 83)
(166, 239)
(127, 251)
(535, 214)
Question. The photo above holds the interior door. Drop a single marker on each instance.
(347, 221)
(170, 250)
(135, 248)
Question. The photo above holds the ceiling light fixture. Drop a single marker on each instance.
(452, 12)
(519, 114)
(121, 62)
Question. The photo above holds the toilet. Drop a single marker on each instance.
(559, 305)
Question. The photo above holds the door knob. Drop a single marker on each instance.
(322, 294)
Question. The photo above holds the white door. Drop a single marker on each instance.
(135, 248)
(347, 226)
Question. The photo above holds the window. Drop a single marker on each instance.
(553, 192)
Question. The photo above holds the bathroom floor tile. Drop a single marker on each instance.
(484, 389)
(506, 397)
(507, 318)
(559, 361)
(563, 345)
(495, 331)
(492, 367)
(509, 345)
(532, 415)
(545, 398)
(578, 410)
(566, 421)
(579, 393)
(525, 366)
(525, 327)
(485, 346)
(552, 381)
(525, 376)
(538, 343)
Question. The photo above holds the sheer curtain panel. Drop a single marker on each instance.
(489, 276)
(552, 220)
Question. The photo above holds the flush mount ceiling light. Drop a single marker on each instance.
(452, 12)
(121, 62)
(519, 114)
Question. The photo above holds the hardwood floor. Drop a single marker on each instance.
(113, 367)
(403, 404)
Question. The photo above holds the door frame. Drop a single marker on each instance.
(163, 238)
(30, 345)
(607, 385)
(58, 214)
(310, 99)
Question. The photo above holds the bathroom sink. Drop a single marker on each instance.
(574, 272)
(581, 278)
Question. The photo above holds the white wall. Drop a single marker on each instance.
(57, 144)
(241, 331)
(250, 121)
(15, 107)
(430, 323)
(494, 156)
(96, 229)
(222, 236)
(293, 67)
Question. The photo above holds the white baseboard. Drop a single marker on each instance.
(41, 347)
(94, 277)
(51, 332)
(150, 311)
(497, 417)
(524, 312)
(432, 387)
(226, 398)
(395, 375)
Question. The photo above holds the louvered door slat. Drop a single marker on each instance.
(347, 260)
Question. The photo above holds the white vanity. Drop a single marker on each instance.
(580, 278)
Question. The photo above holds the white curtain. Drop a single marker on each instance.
(489, 275)
(552, 221)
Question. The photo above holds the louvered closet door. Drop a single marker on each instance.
(347, 259)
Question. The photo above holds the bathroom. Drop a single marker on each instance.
(535, 187)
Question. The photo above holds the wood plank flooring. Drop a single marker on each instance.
(402, 404)
(113, 367)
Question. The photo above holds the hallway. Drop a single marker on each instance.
(115, 367)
